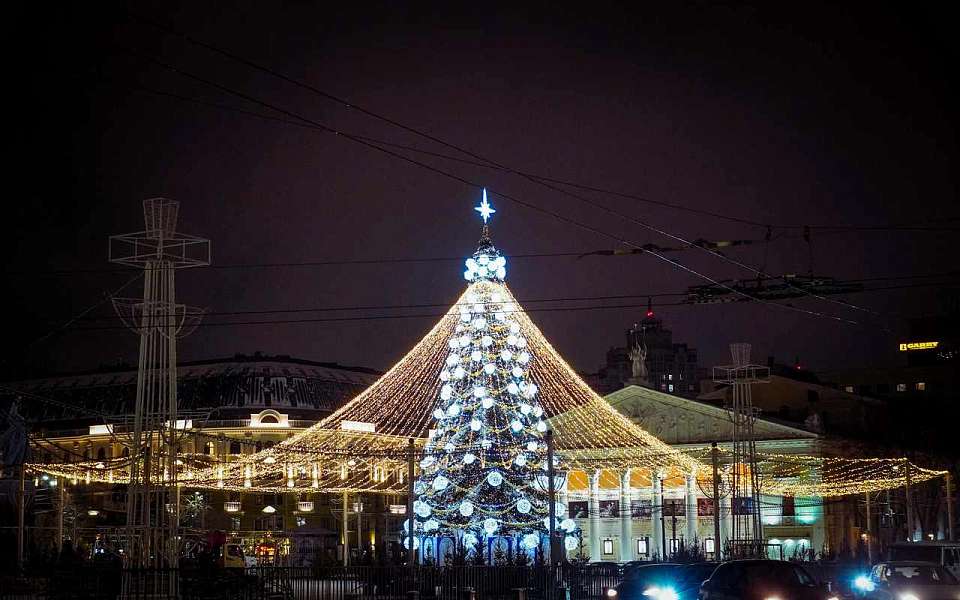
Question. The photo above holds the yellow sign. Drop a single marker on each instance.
(910, 346)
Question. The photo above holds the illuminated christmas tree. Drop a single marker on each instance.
(484, 473)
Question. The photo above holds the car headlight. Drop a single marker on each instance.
(908, 596)
(661, 593)
(864, 583)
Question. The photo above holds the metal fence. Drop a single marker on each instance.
(502, 582)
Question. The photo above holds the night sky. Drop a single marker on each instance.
(840, 116)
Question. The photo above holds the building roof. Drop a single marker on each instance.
(677, 420)
(239, 382)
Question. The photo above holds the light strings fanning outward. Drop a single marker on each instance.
(489, 385)
(589, 433)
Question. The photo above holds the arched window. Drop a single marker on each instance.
(265, 419)
(126, 452)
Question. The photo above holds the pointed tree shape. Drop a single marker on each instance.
(484, 472)
(363, 445)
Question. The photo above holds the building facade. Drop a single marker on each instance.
(229, 408)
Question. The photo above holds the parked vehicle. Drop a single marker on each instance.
(641, 579)
(762, 580)
(662, 581)
(908, 580)
(230, 556)
(945, 554)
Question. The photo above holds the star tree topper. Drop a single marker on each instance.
(485, 209)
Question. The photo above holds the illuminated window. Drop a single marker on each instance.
(674, 544)
(608, 546)
(642, 547)
(670, 387)
(709, 546)
(848, 389)
(901, 387)
(670, 376)
(921, 386)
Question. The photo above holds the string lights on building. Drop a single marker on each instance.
(477, 394)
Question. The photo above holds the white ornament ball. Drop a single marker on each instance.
(469, 458)
(516, 426)
(475, 425)
(459, 373)
(513, 389)
(524, 506)
(476, 356)
(422, 509)
(568, 525)
(438, 414)
(571, 543)
(479, 391)
(494, 478)
(487, 402)
(470, 540)
(490, 526)
(466, 508)
(489, 368)
(541, 426)
(486, 341)
(531, 541)
(408, 540)
(525, 409)
(440, 483)
(520, 460)
(506, 355)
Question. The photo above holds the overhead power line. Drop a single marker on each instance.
(477, 185)
(526, 302)
(482, 160)
(437, 314)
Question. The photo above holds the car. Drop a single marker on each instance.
(945, 554)
(907, 580)
(761, 579)
(641, 581)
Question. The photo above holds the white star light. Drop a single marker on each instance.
(485, 209)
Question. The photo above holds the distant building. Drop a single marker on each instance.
(929, 360)
(668, 367)
(230, 408)
(795, 395)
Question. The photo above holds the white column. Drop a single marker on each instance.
(691, 511)
(594, 513)
(726, 522)
(626, 525)
(656, 545)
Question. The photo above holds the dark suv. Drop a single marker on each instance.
(761, 580)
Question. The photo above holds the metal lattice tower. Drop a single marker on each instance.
(747, 526)
(153, 502)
